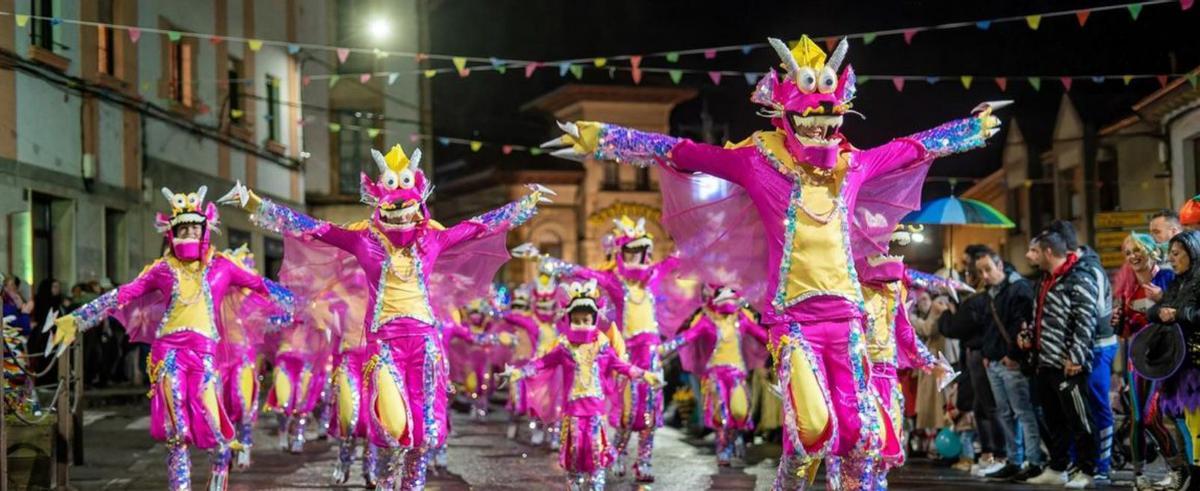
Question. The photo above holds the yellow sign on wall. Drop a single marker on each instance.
(1123, 219)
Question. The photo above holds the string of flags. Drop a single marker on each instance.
(465, 65)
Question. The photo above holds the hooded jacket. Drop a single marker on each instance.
(1065, 315)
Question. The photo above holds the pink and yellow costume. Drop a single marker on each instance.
(720, 346)
(174, 305)
(398, 249)
(588, 360)
(302, 359)
(892, 344)
(634, 287)
(797, 201)
(473, 353)
(539, 395)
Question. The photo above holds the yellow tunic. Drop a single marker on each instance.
(587, 370)
(191, 307)
(881, 309)
(816, 258)
(638, 316)
(402, 294)
(728, 350)
(547, 337)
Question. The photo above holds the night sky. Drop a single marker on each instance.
(486, 105)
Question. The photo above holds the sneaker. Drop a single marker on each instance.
(1142, 483)
(538, 437)
(963, 465)
(1029, 472)
(1004, 473)
(984, 470)
(1176, 479)
(1049, 476)
(1080, 480)
(980, 465)
(511, 432)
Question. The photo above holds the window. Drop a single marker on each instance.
(1109, 198)
(115, 245)
(42, 221)
(272, 115)
(612, 176)
(106, 54)
(180, 66)
(238, 238)
(42, 33)
(643, 179)
(233, 74)
(272, 257)
(353, 148)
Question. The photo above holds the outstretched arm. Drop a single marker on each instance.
(949, 138)
(913, 353)
(698, 327)
(554, 358)
(499, 220)
(752, 328)
(278, 218)
(155, 278)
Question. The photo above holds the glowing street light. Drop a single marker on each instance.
(918, 237)
(379, 28)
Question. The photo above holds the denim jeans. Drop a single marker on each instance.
(1014, 406)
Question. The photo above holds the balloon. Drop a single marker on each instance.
(947, 443)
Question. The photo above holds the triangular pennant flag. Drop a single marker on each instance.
(715, 77)
(333, 79)
(535, 151)
(1162, 80)
(635, 61)
(966, 81)
(174, 36)
(502, 69)
(1127, 79)
(1002, 83)
(869, 38)
(600, 62)
(1098, 79)
(414, 138)
(335, 127)
(54, 21)
(459, 63)
(983, 24)
(908, 35)
(236, 113)
(307, 79)
(293, 49)
(364, 78)
(342, 54)
(862, 80)
(751, 78)
(1036, 82)
(203, 108)
(1191, 78)
(710, 54)
(505, 149)
(1185, 4)
(372, 133)
(1066, 83)
(676, 75)
(750, 47)
(830, 43)
(380, 54)
(612, 72)
(476, 145)
(430, 73)
(443, 141)
(1033, 21)
(898, 82)
(22, 20)
(563, 68)
(932, 80)
(215, 40)
(1082, 16)
(419, 57)
(300, 121)
(496, 62)
(530, 68)
(672, 57)
(1135, 9)
(392, 77)
(464, 73)
(577, 71)
(254, 44)
(637, 75)
(134, 34)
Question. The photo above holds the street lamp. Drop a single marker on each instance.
(379, 28)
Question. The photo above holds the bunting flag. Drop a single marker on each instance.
(1033, 21)
(750, 47)
(506, 149)
(1036, 83)
(342, 54)
(476, 145)
(983, 25)
(293, 49)
(676, 76)
(600, 62)
(861, 79)
(372, 133)
(715, 77)
(868, 38)
(1082, 16)
(635, 61)
(1098, 79)
(392, 78)
(134, 34)
(419, 57)
(333, 80)
(1162, 80)
(530, 68)
(672, 57)
(577, 71)
(464, 73)
(236, 113)
(443, 141)
(335, 127)
(499, 65)
(460, 63)
(932, 80)
(710, 54)
(1066, 83)
(966, 81)
(364, 78)
(636, 73)
(563, 68)
(254, 44)
(898, 82)
(751, 78)
(22, 20)
(1191, 78)
(1127, 79)
(908, 35)
(1135, 9)
(535, 151)
(1002, 83)
(174, 36)
(307, 79)
(830, 43)
(430, 73)
(214, 40)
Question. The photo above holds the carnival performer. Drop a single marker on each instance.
(715, 348)
(243, 325)
(517, 320)
(473, 340)
(814, 197)
(398, 248)
(301, 368)
(588, 360)
(892, 345)
(634, 285)
(173, 305)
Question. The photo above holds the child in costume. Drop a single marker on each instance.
(799, 200)
(891, 344)
(301, 369)
(398, 249)
(542, 399)
(715, 347)
(472, 341)
(587, 359)
(173, 305)
(634, 286)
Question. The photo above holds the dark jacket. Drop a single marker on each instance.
(966, 324)
(1104, 306)
(1183, 295)
(1065, 315)
(1013, 301)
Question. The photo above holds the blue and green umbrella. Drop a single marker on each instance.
(958, 211)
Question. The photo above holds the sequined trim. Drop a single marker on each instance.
(868, 442)
(94, 312)
(283, 220)
(634, 147)
(953, 137)
(429, 382)
(508, 216)
(418, 267)
(793, 340)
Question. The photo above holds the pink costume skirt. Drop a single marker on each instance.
(304, 395)
(236, 357)
(411, 353)
(585, 447)
(348, 370)
(718, 386)
(181, 370)
(638, 405)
